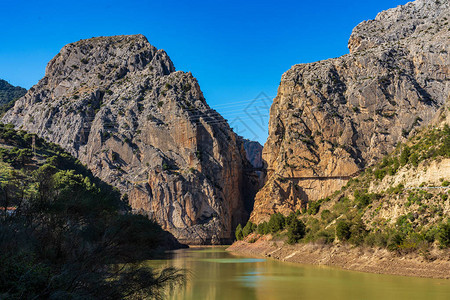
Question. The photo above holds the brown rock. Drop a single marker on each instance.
(333, 118)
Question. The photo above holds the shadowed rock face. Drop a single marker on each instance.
(332, 118)
(118, 104)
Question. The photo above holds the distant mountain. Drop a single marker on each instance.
(8, 95)
(9, 92)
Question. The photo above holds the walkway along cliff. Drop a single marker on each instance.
(333, 118)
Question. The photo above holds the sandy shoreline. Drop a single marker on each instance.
(349, 257)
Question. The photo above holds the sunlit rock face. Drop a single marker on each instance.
(118, 104)
(332, 118)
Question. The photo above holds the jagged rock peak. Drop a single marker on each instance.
(418, 19)
(108, 58)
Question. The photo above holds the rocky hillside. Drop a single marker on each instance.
(397, 211)
(331, 119)
(119, 106)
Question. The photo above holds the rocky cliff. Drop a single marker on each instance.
(119, 106)
(333, 118)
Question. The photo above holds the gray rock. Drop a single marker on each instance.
(333, 118)
(118, 105)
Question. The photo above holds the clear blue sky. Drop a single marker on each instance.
(236, 49)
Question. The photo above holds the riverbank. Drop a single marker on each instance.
(349, 257)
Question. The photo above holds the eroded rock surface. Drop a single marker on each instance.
(333, 118)
(118, 105)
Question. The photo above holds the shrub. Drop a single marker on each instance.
(404, 156)
(376, 239)
(362, 198)
(326, 216)
(325, 236)
(263, 228)
(343, 230)
(444, 235)
(166, 166)
(314, 207)
(289, 219)
(296, 231)
(395, 240)
(238, 233)
(248, 228)
(276, 222)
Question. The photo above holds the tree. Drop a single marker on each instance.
(296, 231)
(444, 235)
(248, 228)
(238, 233)
(343, 230)
(276, 222)
(404, 156)
(263, 228)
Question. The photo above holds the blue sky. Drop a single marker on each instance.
(237, 50)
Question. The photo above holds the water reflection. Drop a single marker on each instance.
(214, 273)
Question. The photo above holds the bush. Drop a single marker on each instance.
(325, 236)
(289, 219)
(263, 228)
(296, 231)
(276, 222)
(376, 239)
(362, 198)
(395, 240)
(444, 235)
(248, 228)
(238, 233)
(326, 216)
(343, 230)
(314, 207)
(404, 156)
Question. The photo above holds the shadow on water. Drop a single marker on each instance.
(214, 273)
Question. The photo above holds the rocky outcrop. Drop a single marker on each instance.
(333, 118)
(118, 105)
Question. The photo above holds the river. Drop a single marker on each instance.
(213, 273)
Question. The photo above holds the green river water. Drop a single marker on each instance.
(213, 273)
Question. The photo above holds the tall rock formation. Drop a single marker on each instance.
(118, 105)
(333, 118)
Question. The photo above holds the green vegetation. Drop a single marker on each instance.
(430, 144)
(444, 234)
(70, 235)
(356, 216)
(296, 231)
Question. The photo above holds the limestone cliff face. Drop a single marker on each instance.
(332, 118)
(118, 105)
